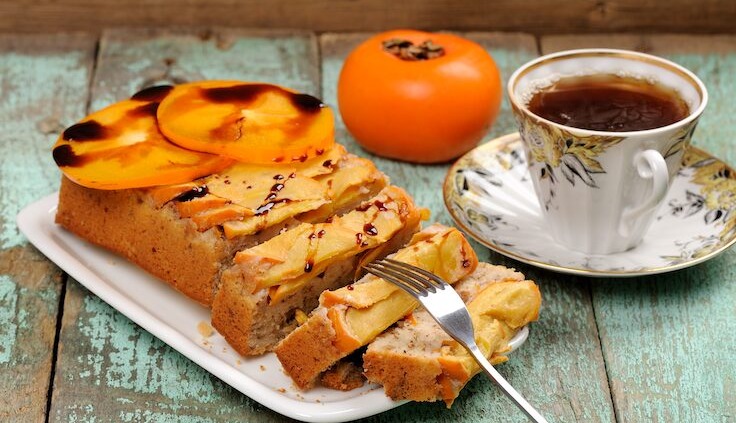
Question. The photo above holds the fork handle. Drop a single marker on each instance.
(505, 386)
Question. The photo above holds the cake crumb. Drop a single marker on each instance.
(205, 329)
(262, 367)
(282, 390)
(343, 376)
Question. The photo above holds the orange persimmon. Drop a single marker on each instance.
(247, 121)
(418, 96)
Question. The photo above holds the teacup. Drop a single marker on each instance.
(599, 190)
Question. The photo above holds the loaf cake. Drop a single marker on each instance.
(499, 301)
(187, 234)
(351, 317)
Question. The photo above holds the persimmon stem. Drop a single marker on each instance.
(407, 50)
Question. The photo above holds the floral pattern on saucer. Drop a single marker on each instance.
(489, 194)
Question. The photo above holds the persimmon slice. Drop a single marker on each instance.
(249, 122)
(121, 147)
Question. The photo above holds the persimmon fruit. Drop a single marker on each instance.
(417, 96)
(247, 121)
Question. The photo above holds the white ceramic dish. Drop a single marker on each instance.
(489, 194)
(173, 318)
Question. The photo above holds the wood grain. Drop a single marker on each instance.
(42, 80)
(109, 369)
(668, 340)
(537, 16)
(560, 368)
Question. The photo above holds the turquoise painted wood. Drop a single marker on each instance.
(109, 369)
(669, 341)
(43, 85)
(659, 348)
(560, 368)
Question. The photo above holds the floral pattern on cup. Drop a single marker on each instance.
(561, 150)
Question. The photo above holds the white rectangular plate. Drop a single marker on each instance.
(173, 318)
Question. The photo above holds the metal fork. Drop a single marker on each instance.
(448, 309)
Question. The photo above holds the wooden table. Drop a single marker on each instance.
(659, 348)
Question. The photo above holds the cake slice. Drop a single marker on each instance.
(260, 296)
(353, 316)
(187, 234)
(417, 360)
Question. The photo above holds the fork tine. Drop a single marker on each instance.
(398, 279)
(438, 282)
(406, 272)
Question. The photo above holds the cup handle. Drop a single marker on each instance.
(649, 165)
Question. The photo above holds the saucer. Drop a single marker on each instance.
(489, 194)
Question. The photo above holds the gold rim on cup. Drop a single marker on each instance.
(687, 75)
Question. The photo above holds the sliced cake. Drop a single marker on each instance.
(353, 316)
(416, 360)
(256, 304)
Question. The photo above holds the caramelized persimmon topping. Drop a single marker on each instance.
(249, 122)
(121, 147)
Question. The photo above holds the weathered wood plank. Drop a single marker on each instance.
(109, 369)
(560, 369)
(43, 85)
(668, 340)
(538, 16)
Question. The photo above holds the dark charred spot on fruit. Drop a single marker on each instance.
(307, 103)
(64, 156)
(148, 109)
(155, 93)
(85, 131)
(236, 93)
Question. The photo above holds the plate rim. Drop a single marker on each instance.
(516, 137)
